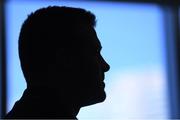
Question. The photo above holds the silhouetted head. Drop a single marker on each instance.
(59, 48)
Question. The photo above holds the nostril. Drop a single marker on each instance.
(104, 64)
(107, 67)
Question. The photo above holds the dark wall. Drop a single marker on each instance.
(2, 61)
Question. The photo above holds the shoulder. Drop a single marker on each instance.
(14, 113)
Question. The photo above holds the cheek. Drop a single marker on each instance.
(91, 70)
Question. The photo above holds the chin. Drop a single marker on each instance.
(97, 98)
(102, 97)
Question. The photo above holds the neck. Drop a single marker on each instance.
(56, 98)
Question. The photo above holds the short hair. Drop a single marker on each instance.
(45, 31)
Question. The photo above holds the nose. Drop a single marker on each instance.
(105, 65)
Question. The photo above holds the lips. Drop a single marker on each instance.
(102, 84)
(103, 76)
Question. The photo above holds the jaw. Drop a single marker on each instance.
(94, 99)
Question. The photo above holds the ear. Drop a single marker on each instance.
(64, 60)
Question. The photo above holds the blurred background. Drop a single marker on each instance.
(140, 41)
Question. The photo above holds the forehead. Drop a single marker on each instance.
(88, 37)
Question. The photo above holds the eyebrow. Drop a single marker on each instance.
(100, 48)
(99, 45)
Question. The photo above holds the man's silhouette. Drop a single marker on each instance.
(61, 61)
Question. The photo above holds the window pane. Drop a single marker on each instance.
(133, 41)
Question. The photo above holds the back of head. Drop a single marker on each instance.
(47, 31)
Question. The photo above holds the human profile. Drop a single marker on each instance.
(60, 58)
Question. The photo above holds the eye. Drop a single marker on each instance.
(98, 51)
